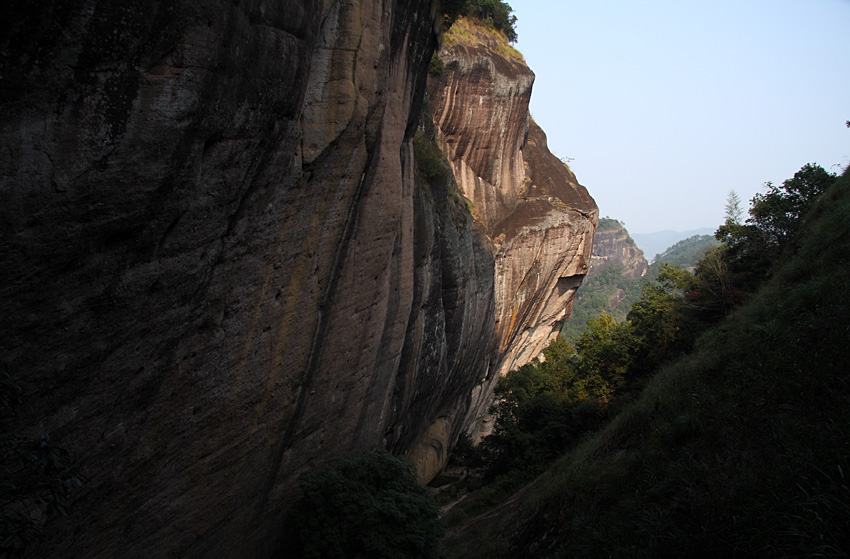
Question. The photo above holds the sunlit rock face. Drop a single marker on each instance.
(538, 217)
(217, 265)
(612, 246)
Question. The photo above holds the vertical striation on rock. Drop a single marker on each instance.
(539, 218)
(219, 266)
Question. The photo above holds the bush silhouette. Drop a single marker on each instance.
(366, 504)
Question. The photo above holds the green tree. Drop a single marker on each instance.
(660, 321)
(493, 13)
(605, 352)
(363, 505)
(771, 232)
(713, 292)
(452, 9)
(733, 208)
(545, 407)
(779, 212)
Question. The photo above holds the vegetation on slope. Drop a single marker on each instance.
(740, 447)
(684, 254)
(364, 504)
(493, 14)
(611, 291)
(477, 22)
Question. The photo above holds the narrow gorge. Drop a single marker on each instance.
(222, 262)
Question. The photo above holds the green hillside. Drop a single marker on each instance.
(684, 254)
(609, 291)
(739, 448)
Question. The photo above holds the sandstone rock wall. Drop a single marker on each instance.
(217, 267)
(540, 219)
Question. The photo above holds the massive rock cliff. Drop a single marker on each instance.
(530, 205)
(218, 265)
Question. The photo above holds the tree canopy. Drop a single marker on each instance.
(772, 229)
(364, 504)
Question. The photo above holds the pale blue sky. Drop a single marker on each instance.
(666, 105)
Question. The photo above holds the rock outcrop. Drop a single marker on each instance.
(530, 205)
(219, 267)
(612, 246)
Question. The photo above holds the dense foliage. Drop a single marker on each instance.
(363, 505)
(772, 231)
(546, 407)
(611, 291)
(430, 161)
(492, 13)
(736, 444)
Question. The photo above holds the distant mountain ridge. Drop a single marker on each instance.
(685, 254)
(653, 244)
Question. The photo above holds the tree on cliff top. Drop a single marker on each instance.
(493, 13)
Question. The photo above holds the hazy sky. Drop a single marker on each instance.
(664, 106)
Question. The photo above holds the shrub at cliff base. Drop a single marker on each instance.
(364, 505)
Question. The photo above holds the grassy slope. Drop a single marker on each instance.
(470, 31)
(742, 449)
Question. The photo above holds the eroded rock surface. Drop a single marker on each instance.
(539, 218)
(612, 246)
(218, 266)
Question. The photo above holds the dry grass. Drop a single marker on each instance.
(468, 31)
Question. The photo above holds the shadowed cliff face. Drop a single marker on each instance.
(538, 217)
(217, 267)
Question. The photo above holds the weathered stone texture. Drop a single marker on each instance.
(612, 246)
(539, 218)
(217, 267)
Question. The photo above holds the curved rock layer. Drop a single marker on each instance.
(539, 218)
